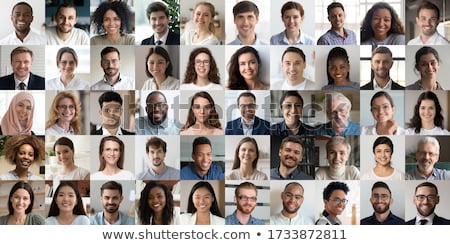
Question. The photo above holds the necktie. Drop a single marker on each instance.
(159, 42)
(423, 221)
(22, 86)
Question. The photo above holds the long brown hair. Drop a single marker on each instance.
(213, 120)
(102, 148)
(190, 75)
(237, 161)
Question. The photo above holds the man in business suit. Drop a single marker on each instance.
(426, 198)
(22, 78)
(248, 123)
(158, 17)
(381, 63)
(110, 111)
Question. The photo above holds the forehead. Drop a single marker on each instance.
(248, 13)
(202, 191)
(110, 192)
(382, 13)
(247, 55)
(111, 144)
(381, 56)
(202, 8)
(294, 189)
(22, 8)
(66, 189)
(157, 14)
(156, 98)
(110, 13)
(336, 10)
(292, 99)
(202, 56)
(204, 148)
(67, 11)
(111, 103)
(243, 99)
(201, 100)
(22, 56)
(111, 55)
(338, 147)
(338, 193)
(427, 56)
(292, 56)
(427, 145)
(427, 12)
(426, 190)
(22, 192)
(292, 145)
(380, 190)
(247, 192)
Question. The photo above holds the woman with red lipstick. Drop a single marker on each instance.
(22, 151)
(338, 71)
(64, 115)
(204, 29)
(382, 26)
(428, 64)
(18, 119)
(20, 205)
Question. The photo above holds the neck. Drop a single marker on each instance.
(110, 170)
(112, 79)
(111, 218)
(202, 81)
(288, 215)
(382, 81)
(158, 169)
(159, 80)
(253, 83)
(203, 218)
(69, 167)
(22, 173)
(428, 125)
(66, 78)
(246, 171)
(243, 218)
(429, 83)
(112, 131)
(64, 124)
(340, 31)
(248, 40)
(113, 37)
(296, 82)
(63, 35)
(22, 35)
(285, 171)
(380, 38)
(425, 38)
(382, 216)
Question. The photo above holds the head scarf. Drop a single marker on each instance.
(10, 122)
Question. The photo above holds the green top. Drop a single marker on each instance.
(32, 219)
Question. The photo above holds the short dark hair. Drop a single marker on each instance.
(162, 52)
(335, 185)
(156, 7)
(108, 50)
(246, 94)
(381, 184)
(22, 3)
(109, 96)
(200, 141)
(427, 184)
(382, 50)
(155, 92)
(294, 50)
(290, 93)
(335, 5)
(293, 139)
(383, 140)
(66, 4)
(111, 185)
(429, 5)
(292, 5)
(245, 6)
(155, 142)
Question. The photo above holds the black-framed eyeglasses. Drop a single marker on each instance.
(337, 200)
(248, 106)
(152, 106)
(383, 197)
(422, 198)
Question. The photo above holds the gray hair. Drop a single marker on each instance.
(336, 140)
(429, 139)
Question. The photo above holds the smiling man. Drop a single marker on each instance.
(334, 200)
(159, 19)
(246, 17)
(245, 197)
(428, 18)
(337, 35)
(65, 32)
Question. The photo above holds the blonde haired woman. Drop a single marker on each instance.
(203, 33)
(64, 115)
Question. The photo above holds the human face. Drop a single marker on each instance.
(67, 64)
(156, 156)
(338, 69)
(21, 65)
(157, 65)
(382, 110)
(202, 157)
(337, 156)
(427, 21)
(337, 18)
(292, 20)
(156, 199)
(111, 153)
(23, 110)
(111, 200)
(292, 198)
(426, 207)
(427, 155)
(156, 109)
(293, 66)
(248, 66)
(111, 64)
(291, 154)
(246, 23)
(202, 110)
(24, 157)
(20, 201)
(247, 154)
(333, 207)
(66, 20)
(338, 114)
(66, 110)
(247, 107)
(110, 114)
(246, 206)
(202, 16)
(428, 66)
(381, 23)
(64, 154)
(381, 64)
(202, 65)
(159, 22)
(427, 111)
(202, 200)
(383, 154)
(21, 18)
(292, 109)
(381, 200)
(111, 22)
(66, 199)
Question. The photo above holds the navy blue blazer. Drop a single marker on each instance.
(436, 221)
(260, 127)
(394, 86)
(35, 83)
(172, 39)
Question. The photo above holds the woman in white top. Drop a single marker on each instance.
(383, 148)
(201, 71)
(203, 33)
(202, 208)
(159, 70)
(156, 206)
(67, 206)
(64, 115)
(111, 156)
(338, 152)
(383, 110)
(245, 162)
(65, 151)
(67, 62)
(427, 119)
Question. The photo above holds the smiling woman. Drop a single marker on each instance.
(18, 119)
(64, 115)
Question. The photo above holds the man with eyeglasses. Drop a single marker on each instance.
(248, 123)
(334, 200)
(338, 108)
(156, 122)
(110, 111)
(426, 198)
(112, 79)
(291, 106)
(427, 155)
(381, 199)
(292, 198)
(245, 197)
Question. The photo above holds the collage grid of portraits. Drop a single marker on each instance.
(229, 105)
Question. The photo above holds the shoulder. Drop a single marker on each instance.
(367, 86)
(81, 220)
(36, 219)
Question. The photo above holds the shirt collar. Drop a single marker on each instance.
(388, 85)
(26, 81)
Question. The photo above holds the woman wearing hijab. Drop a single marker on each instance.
(18, 119)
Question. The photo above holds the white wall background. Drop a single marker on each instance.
(83, 69)
(38, 14)
(397, 188)
(172, 155)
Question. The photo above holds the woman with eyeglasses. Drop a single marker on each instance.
(18, 119)
(245, 162)
(64, 115)
(334, 200)
(383, 110)
(383, 148)
(202, 72)
(202, 118)
(67, 62)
